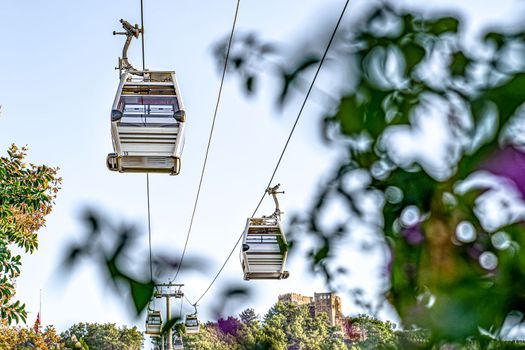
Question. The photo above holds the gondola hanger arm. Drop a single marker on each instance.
(274, 191)
(130, 31)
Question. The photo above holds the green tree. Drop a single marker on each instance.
(249, 317)
(290, 326)
(374, 334)
(274, 334)
(22, 338)
(285, 326)
(249, 332)
(208, 338)
(27, 194)
(450, 267)
(103, 336)
(333, 341)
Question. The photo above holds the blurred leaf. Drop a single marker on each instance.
(290, 76)
(320, 254)
(470, 162)
(167, 263)
(166, 326)
(237, 61)
(507, 96)
(413, 53)
(496, 38)
(235, 292)
(417, 186)
(351, 120)
(459, 63)
(92, 222)
(444, 25)
(109, 256)
(267, 48)
(227, 296)
(250, 82)
(73, 255)
(142, 293)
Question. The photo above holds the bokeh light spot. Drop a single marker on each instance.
(465, 232)
(488, 260)
(410, 216)
(500, 240)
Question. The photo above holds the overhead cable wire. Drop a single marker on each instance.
(284, 148)
(147, 175)
(142, 36)
(149, 230)
(209, 142)
(188, 300)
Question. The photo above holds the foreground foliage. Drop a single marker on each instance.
(27, 194)
(447, 203)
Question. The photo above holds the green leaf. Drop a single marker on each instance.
(321, 254)
(444, 25)
(290, 76)
(413, 53)
(250, 82)
(497, 38)
(508, 97)
(349, 116)
(141, 293)
(458, 64)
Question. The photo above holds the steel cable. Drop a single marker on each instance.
(284, 148)
(209, 143)
(147, 175)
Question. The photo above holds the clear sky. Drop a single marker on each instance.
(57, 87)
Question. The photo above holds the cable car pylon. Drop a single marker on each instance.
(147, 117)
(154, 324)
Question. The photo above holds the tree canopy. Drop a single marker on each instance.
(23, 338)
(285, 326)
(27, 194)
(103, 336)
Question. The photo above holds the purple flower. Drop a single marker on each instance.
(413, 234)
(229, 326)
(475, 250)
(508, 162)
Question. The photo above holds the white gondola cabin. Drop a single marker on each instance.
(264, 249)
(153, 322)
(192, 324)
(264, 246)
(147, 123)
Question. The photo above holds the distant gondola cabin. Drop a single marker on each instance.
(178, 344)
(264, 249)
(153, 322)
(192, 324)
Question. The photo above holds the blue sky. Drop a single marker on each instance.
(58, 84)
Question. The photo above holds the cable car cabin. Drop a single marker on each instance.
(178, 344)
(153, 322)
(147, 124)
(264, 249)
(192, 324)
